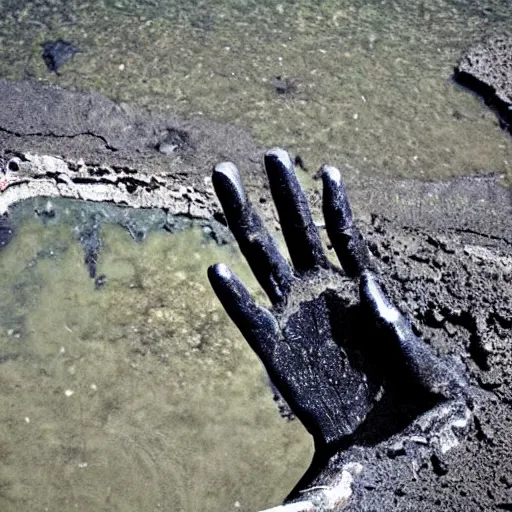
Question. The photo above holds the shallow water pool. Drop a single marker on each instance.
(135, 394)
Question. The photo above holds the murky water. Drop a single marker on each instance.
(137, 395)
(370, 81)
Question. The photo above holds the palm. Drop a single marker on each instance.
(317, 362)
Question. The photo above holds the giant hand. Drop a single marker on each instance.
(332, 340)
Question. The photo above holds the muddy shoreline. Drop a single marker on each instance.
(444, 251)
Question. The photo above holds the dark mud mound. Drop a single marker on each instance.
(57, 53)
(86, 126)
(487, 70)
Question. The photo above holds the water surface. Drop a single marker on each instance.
(139, 395)
(371, 81)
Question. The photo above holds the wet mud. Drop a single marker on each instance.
(443, 251)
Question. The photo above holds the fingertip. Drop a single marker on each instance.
(219, 272)
(330, 175)
(278, 159)
(231, 292)
(220, 269)
(228, 184)
(229, 171)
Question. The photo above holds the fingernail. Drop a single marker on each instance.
(220, 270)
(330, 173)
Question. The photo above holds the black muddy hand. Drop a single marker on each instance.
(322, 350)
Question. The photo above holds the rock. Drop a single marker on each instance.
(172, 141)
(487, 70)
(285, 86)
(57, 53)
(47, 213)
(100, 281)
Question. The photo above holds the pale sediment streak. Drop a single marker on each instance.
(50, 176)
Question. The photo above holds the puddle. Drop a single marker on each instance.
(365, 83)
(138, 394)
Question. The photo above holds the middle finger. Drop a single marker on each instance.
(299, 230)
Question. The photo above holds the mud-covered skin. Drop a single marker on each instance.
(335, 360)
